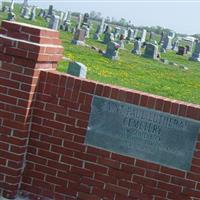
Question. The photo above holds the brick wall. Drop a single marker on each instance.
(24, 51)
(43, 154)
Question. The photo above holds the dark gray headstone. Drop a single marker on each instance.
(77, 69)
(143, 133)
(137, 47)
(196, 53)
(181, 50)
(151, 51)
(112, 50)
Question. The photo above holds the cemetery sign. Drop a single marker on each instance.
(141, 132)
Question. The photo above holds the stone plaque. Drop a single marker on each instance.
(142, 133)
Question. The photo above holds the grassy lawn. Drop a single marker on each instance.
(133, 71)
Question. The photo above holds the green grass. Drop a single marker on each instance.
(133, 71)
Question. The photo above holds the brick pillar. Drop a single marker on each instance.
(24, 51)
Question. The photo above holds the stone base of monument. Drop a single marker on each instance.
(78, 42)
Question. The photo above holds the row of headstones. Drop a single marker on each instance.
(27, 12)
(9, 8)
(151, 51)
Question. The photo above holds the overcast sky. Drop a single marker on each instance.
(181, 16)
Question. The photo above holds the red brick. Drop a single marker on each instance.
(158, 176)
(182, 110)
(114, 93)
(174, 172)
(55, 180)
(81, 171)
(136, 98)
(49, 155)
(109, 162)
(144, 100)
(183, 182)
(147, 165)
(121, 158)
(167, 106)
(133, 170)
(99, 152)
(144, 180)
(169, 187)
(71, 161)
(159, 104)
(96, 168)
(99, 89)
(116, 189)
(45, 169)
(88, 87)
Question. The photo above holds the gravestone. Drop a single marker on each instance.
(87, 31)
(79, 21)
(135, 33)
(167, 44)
(171, 34)
(77, 69)
(11, 7)
(69, 16)
(5, 8)
(107, 29)
(108, 37)
(175, 45)
(27, 12)
(161, 38)
(196, 53)
(181, 50)
(188, 48)
(86, 18)
(142, 133)
(112, 50)
(97, 33)
(137, 47)
(33, 13)
(130, 34)
(143, 37)
(11, 16)
(102, 25)
(24, 5)
(50, 13)
(121, 41)
(40, 14)
(61, 18)
(123, 32)
(151, 51)
(79, 37)
(50, 10)
(54, 22)
(86, 25)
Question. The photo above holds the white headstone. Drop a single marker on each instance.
(12, 6)
(143, 37)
